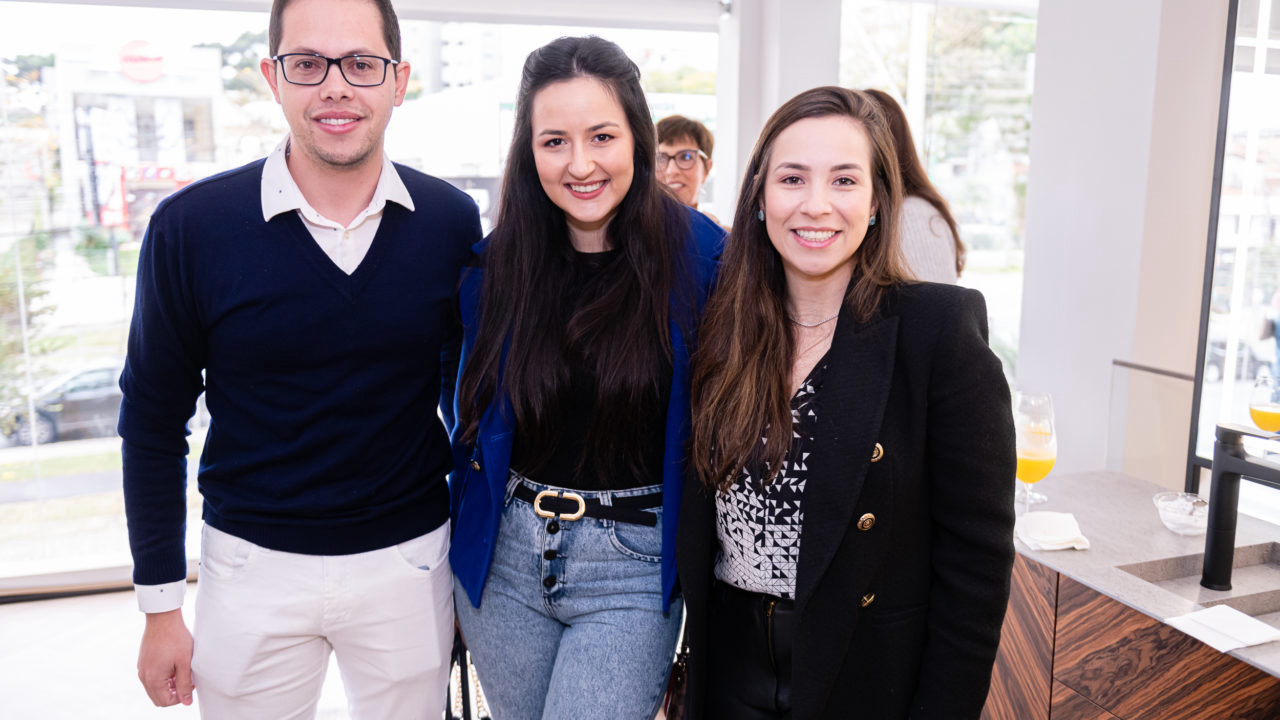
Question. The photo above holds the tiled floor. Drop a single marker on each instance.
(75, 658)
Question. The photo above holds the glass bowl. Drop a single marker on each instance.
(1183, 513)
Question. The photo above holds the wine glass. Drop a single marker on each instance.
(1264, 404)
(1037, 444)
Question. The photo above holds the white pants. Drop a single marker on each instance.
(266, 620)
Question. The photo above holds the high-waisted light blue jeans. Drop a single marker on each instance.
(570, 624)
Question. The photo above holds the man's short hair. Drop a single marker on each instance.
(678, 127)
(390, 26)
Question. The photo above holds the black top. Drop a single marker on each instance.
(568, 466)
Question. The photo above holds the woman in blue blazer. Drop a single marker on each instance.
(572, 401)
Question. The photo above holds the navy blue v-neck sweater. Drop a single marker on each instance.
(322, 387)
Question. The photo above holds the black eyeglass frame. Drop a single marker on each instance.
(661, 160)
(329, 63)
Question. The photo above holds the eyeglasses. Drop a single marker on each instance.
(684, 159)
(312, 68)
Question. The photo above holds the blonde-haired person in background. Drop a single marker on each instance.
(929, 240)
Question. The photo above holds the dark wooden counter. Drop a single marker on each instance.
(1069, 652)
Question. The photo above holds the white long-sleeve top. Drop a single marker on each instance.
(927, 244)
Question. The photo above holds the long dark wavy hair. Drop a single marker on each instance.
(915, 181)
(742, 368)
(524, 342)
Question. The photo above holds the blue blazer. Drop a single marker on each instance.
(478, 485)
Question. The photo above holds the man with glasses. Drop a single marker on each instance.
(684, 157)
(311, 294)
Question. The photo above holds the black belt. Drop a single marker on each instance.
(569, 505)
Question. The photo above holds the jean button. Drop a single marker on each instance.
(553, 527)
(549, 555)
(549, 581)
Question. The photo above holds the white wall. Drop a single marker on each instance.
(1180, 180)
(1122, 140)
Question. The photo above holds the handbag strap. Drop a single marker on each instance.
(462, 702)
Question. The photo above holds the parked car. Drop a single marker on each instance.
(1250, 361)
(86, 402)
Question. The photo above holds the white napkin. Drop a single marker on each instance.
(1224, 628)
(1050, 531)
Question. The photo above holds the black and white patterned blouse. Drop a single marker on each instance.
(757, 522)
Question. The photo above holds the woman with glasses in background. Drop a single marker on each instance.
(573, 401)
(684, 158)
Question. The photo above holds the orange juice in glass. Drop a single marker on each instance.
(1037, 444)
(1033, 467)
(1264, 404)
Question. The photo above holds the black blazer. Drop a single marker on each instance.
(904, 562)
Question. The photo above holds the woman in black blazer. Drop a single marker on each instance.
(846, 542)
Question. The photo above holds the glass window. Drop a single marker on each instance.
(1273, 61)
(99, 120)
(103, 118)
(1244, 57)
(1244, 298)
(963, 75)
(1247, 17)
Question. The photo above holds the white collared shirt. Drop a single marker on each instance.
(345, 246)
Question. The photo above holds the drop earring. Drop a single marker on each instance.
(871, 221)
(760, 215)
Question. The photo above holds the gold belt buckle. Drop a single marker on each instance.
(537, 505)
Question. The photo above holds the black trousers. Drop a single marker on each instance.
(749, 655)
